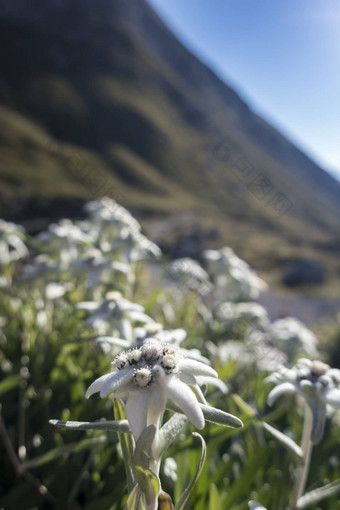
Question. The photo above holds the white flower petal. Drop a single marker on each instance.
(97, 385)
(184, 397)
(194, 367)
(187, 379)
(137, 316)
(279, 390)
(157, 405)
(201, 381)
(117, 380)
(120, 342)
(332, 397)
(136, 410)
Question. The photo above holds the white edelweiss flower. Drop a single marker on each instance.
(253, 351)
(55, 290)
(191, 274)
(115, 315)
(292, 336)
(41, 266)
(134, 246)
(232, 276)
(65, 230)
(253, 314)
(110, 215)
(12, 246)
(98, 268)
(145, 378)
(170, 469)
(317, 382)
(67, 239)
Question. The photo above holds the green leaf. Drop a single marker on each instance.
(169, 432)
(64, 450)
(319, 494)
(127, 444)
(143, 452)
(244, 482)
(285, 440)
(116, 426)
(186, 494)
(214, 498)
(9, 383)
(134, 499)
(148, 482)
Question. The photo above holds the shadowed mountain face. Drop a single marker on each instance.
(98, 97)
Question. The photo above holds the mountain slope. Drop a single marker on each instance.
(99, 97)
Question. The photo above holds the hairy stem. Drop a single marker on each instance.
(303, 468)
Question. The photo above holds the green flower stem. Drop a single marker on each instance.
(303, 468)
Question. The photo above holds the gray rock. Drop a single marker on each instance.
(303, 272)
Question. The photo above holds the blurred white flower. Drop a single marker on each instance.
(253, 314)
(98, 268)
(170, 469)
(254, 505)
(191, 274)
(292, 337)
(63, 231)
(55, 290)
(134, 246)
(12, 245)
(252, 351)
(41, 266)
(66, 239)
(317, 382)
(233, 277)
(147, 377)
(115, 315)
(111, 216)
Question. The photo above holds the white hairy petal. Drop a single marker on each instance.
(117, 380)
(136, 410)
(138, 316)
(194, 367)
(97, 385)
(187, 379)
(201, 381)
(279, 390)
(184, 397)
(332, 398)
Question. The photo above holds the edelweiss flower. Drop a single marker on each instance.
(67, 238)
(134, 246)
(232, 276)
(115, 315)
(147, 377)
(111, 216)
(253, 314)
(317, 382)
(98, 268)
(292, 337)
(191, 274)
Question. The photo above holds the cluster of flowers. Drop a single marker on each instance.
(150, 368)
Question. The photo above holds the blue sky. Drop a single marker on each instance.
(282, 56)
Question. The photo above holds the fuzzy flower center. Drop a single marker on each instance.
(147, 359)
(143, 377)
